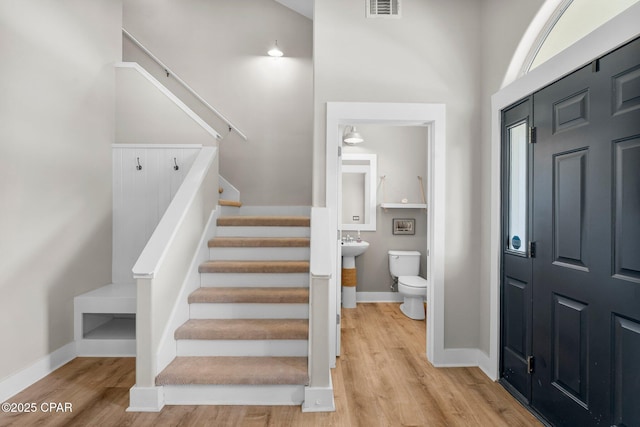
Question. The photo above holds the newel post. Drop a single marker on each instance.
(318, 395)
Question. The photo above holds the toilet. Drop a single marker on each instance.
(405, 266)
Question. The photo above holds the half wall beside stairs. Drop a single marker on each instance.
(164, 265)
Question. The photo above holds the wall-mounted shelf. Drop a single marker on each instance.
(403, 205)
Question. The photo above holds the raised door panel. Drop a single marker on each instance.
(516, 336)
(571, 112)
(516, 301)
(627, 209)
(626, 375)
(570, 348)
(569, 187)
(626, 91)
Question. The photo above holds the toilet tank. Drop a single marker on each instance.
(404, 263)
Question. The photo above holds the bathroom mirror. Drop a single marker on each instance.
(359, 192)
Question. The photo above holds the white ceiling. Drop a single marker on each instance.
(303, 7)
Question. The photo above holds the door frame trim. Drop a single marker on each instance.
(432, 116)
(613, 34)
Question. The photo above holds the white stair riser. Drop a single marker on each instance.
(245, 348)
(233, 231)
(259, 254)
(248, 311)
(228, 210)
(275, 211)
(233, 394)
(255, 279)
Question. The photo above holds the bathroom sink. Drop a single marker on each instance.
(353, 249)
(350, 250)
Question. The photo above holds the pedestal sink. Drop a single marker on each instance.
(350, 250)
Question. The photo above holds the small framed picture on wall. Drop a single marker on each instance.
(404, 226)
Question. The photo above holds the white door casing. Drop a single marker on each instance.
(410, 114)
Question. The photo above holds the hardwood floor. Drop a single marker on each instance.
(382, 378)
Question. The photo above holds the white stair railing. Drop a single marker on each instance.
(182, 83)
(318, 395)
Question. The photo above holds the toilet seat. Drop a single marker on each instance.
(413, 281)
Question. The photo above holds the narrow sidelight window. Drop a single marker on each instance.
(517, 167)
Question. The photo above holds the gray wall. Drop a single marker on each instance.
(432, 54)
(454, 52)
(219, 48)
(145, 115)
(57, 109)
(503, 25)
(402, 157)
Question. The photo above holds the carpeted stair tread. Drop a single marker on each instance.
(232, 203)
(259, 242)
(254, 267)
(243, 329)
(250, 295)
(235, 370)
(264, 221)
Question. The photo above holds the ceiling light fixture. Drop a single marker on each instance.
(275, 51)
(351, 136)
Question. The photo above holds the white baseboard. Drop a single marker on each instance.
(378, 297)
(146, 399)
(468, 357)
(463, 357)
(234, 394)
(488, 366)
(106, 348)
(19, 381)
(319, 399)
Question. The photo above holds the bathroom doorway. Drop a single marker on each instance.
(431, 117)
(387, 210)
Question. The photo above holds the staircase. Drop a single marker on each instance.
(246, 341)
(232, 198)
(227, 202)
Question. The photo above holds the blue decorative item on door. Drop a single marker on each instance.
(516, 242)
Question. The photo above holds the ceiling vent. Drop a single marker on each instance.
(383, 8)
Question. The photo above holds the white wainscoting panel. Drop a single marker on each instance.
(141, 196)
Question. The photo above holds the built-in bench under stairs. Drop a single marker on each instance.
(246, 341)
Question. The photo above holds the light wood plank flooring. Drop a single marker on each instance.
(382, 378)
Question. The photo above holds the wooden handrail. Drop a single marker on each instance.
(169, 72)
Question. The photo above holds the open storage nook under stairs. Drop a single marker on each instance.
(105, 321)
